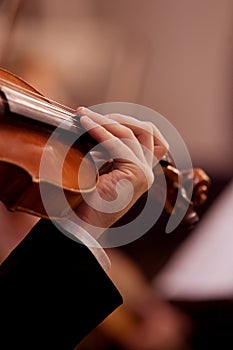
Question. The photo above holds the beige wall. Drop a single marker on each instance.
(174, 56)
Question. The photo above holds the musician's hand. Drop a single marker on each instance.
(134, 147)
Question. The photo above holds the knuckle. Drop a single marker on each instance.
(165, 148)
(150, 178)
(150, 126)
(147, 179)
(130, 133)
(147, 126)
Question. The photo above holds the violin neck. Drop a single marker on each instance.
(37, 109)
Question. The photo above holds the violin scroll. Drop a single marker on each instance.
(194, 185)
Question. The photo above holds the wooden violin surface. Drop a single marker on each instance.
(41, 150)
(22, 145)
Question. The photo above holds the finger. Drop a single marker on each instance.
(147, 134)
(124, 158)
(139, 127)
(114, 145)
(120, 131)
(155, 145)
(126, 131)
(129, 122)
(81, 111)
(136, 125)
(143, 133)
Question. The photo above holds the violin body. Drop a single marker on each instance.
(22, 143)
(26, 125)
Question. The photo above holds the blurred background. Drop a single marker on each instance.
(174, 56)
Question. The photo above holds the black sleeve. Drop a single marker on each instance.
(53, 292)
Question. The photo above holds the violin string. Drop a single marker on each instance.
(37, 95)
(61, 119)
(70, 114)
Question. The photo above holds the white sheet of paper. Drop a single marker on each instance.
(202, 268)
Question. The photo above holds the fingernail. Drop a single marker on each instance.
(87, 122)
(83, 109)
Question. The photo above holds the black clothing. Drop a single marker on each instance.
(53, 292)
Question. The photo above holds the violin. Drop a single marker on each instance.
(27, 120)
